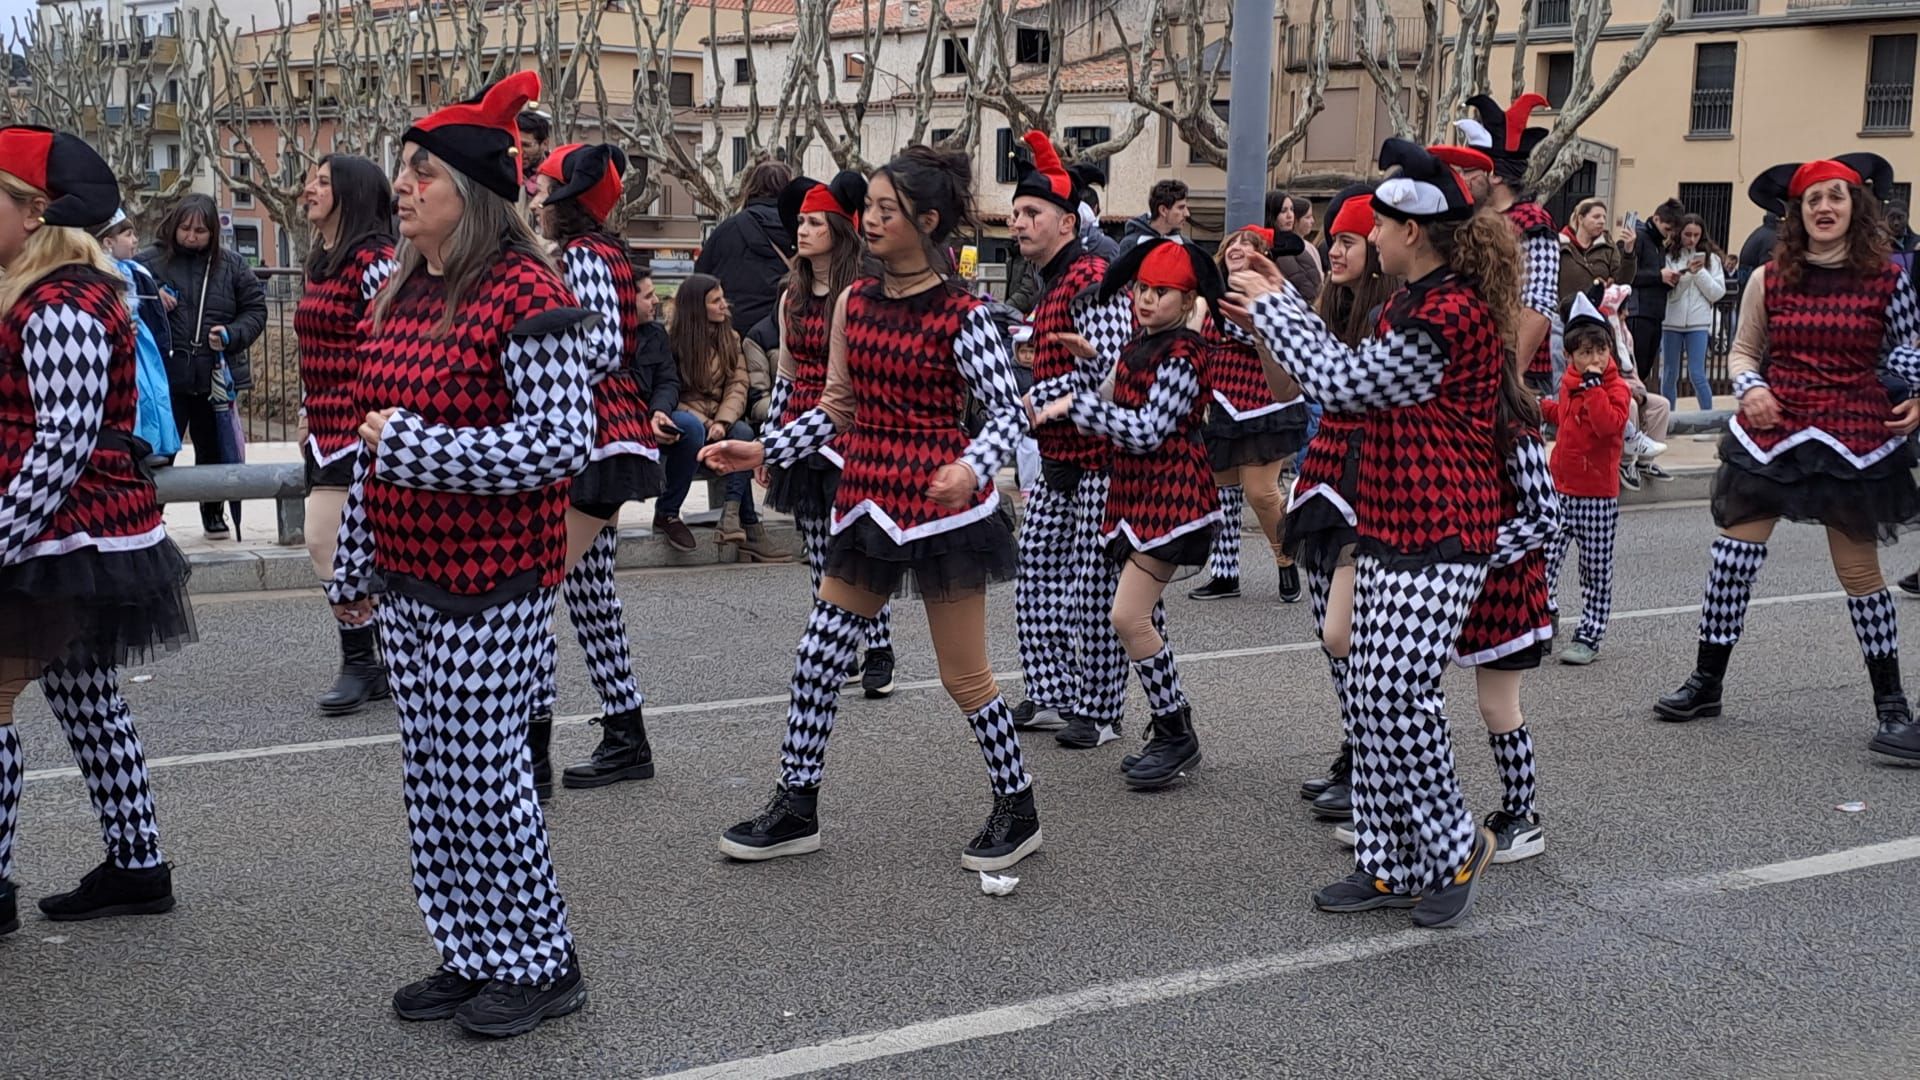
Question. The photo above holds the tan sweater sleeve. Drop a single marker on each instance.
(733, 405)
(1749, 350)
(837, 400)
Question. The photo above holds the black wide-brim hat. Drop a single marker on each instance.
(480, 137)
(1770, 190)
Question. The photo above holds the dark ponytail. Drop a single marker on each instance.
(929, 178)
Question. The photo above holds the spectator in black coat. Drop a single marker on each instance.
(748, 252)
(1758, 248)
(1652, 281)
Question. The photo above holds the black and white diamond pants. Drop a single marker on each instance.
(85, 697)
(816, 533)
(1723, 608)
(1072, 658)
(1223, 559)
(1513, 753)
(600, 625)
(1592, 524)
(1409, 817)
(462, 685)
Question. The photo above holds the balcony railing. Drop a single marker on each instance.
(1553, 13)
(1717, 9)
(1889, 107)
(1410, 37)
(1712, 112)
(1862, 7)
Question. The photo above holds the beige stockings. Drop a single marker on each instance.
(1261, 483)
(959, 630)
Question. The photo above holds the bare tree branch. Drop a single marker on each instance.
(1557, 155)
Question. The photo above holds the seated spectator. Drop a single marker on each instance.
(1648, 414)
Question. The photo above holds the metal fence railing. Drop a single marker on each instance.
(271, 411)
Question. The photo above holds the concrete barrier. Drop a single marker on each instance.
(283, 482)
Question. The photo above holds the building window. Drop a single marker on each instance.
(1084, 137)
(1559, 81)
(1707, 9)
(1583, 184)
(173, 156)
(680, 90)
(742, 71)
(242, 170)
(1552, 13)
(1008, 154)
(739, 154)
(1890, 83)
(171, 95)
(854, 69)
(1166, 139)
(939, 135)
(1714, 204)
(953, 57)
(1220, 108)
(1713, 88)
(1031, 46)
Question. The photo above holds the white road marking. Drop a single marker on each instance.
(732, 704)
(1130, 993)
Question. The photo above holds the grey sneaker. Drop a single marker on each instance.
(1515, 837)
(1082, 733)
(1360, 891)
(1030, 717)
(1579, 654)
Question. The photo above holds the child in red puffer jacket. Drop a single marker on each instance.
(1591, 414)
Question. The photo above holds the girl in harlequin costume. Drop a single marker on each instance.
(350, 205)
(825, 222)
(1825, 364)
(477, 408)
(916, 506)
(88, 578)
(1502, 139)
(1250, 434)
(575, 191)
(1163, 508)
(1428, 521)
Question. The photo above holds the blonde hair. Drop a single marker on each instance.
(48, 248)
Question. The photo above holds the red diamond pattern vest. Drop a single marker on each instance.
(327, 324)
(1824, 338)
(620, 413)
(1167, 491)
(1060, 440)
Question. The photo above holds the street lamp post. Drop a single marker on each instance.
(1249, 112)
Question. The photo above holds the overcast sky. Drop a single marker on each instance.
(11, 10)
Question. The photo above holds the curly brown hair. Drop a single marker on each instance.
(1868, 243)
(1483, 251)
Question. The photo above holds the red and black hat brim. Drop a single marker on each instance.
(593, 175)
(1425, 189)
(480, 137)
(1363, 192)
(1045, 178)
(81, 189)
(1769, 191)
(847, 192)
(1127, 267)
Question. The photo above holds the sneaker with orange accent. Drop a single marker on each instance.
(1361, 891)
(1452, 902)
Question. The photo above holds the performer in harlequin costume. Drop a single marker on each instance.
(916, 507)
(1428, 520)
(576, 189)
(1162, 509)
(88, 578)
(1825, 364)
(825, 222)
(1075, 667)
(1503, 135)
(350, 205)
(477, 408)
(1250, 434)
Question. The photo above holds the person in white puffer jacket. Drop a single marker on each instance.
(1689, 323)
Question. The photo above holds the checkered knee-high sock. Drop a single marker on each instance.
(1223, 561)
(12, 779)
(1337, 667)
(1000, 745)
(1160, 678)
(1876, 624)
(600, 623)
(815, 536)
(820, 665)
(1513, 753)
(85, 696)
(546, 675)
(880, 630)
(1723, 610)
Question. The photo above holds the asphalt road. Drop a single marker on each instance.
(1702, 910)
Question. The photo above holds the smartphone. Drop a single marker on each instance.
(1631, 220)
(672, 428)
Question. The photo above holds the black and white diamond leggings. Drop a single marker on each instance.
(482, 874)
(1071, 657)
(1409, 817)
(816, 533)
(85, 697)
(600, 625)
(1592, 524)
(1737, 558)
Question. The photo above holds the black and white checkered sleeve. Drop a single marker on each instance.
(547, 441)
(1401, 368)
(591, 280)
(1176, 383)
(66, 353)
(809, 431)
(776, 405)
(353, 558)
(986, 361)
(1901, 350)
(1541, 290)
(1537, 521)
(375, 277)
(1107, 327)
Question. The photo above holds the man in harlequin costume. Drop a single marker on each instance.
(1504, 136)
(1076, 669)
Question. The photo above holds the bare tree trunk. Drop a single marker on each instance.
(1557, 156)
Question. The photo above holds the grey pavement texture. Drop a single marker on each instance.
(296, 920)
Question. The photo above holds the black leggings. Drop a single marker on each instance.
(1646, 347)
(193, 414)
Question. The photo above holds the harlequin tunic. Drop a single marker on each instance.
(327, 323)
(1244, 424)
(1070, 305)
(1540, 285)
(624, 464)
(808, 486)
(1511, 623)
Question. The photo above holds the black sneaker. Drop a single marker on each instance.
(108, 891)
(502, 1010)
(1910, 584)
(1290, 584)
(1220, 588)
(790, 825)
(1012, 833)
(1030, 717)
(876, 680)
(1452, 902)
(1897, 737)
(436, 997)
(1335, 803)
(1360, 891)
(1515, 837)
(1337, 773)
(9, 908)
(1082, 733)
(1630, 475)
(1654, 472)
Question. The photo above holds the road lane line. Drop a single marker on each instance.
(1131, 993)
(767, 700)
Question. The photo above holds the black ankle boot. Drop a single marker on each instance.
(1012, 833)
(623, 754)
(1337, 773)
(1898, 736)
(1699, 696)
(1172, 749)
(363, 677)
(539, 752)
(110, 890)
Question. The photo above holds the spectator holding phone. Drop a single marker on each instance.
(1699, 281)
(1646, 269)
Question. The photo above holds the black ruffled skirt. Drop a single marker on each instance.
(1188, 550)
(1317, 532)
(945, 566)
(604, 486)
(1811, 483)
(335, 474)
(1259, 440)
(110, 607)
(805, 489)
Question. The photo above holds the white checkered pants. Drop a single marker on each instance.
(1591, 523)
(1411, 821)
(462, 685)
(816, 533)
(1071, 656)
(600, 625)
(1223, 559)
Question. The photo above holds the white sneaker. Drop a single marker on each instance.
(1641, 446)
(1344, 833)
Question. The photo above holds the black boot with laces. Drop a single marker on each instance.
(790, 825)
(1699, 696)
(1337, 773)
(1012, 833)
(623, 754)
(1898, 736)
(1173, 749)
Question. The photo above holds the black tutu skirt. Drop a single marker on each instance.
(604, 486)
(109, 607)
(945, 566)
(1259, 440)
(337, 474)
(1316, 533)
(1811, 483)
(805, 489)
(1189, 550)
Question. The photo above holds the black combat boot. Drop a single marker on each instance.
(1699, 696)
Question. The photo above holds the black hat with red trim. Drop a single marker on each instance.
(594, 175)
(1047, 179)
(845, 194)
(1771, 190)
(480, 137)
(81, 188)
(1510, 141)
(1423, 189)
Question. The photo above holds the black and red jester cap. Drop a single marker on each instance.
(480, 137)
(594, 175)
(1047, 179)
(81, 188)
